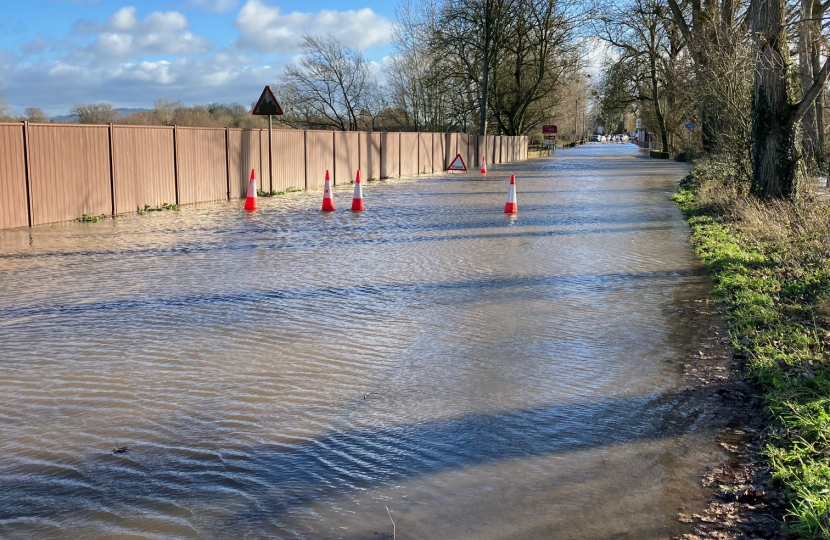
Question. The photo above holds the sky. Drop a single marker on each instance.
(58, 53)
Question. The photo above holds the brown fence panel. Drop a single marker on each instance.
(464, 150)
(481, 150)
(439, 152)
(70, 172)
(319, 157)
(143, 166)
(409, 154)
(288, 159)
(390, 158)
(425, 147)
(265, 176)
(243, 155)
(370, 155)
(450, 148)
(489, 149)
(202, 166)
(14, 208)
(346, 153)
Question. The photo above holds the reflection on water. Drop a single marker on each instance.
(289, 374)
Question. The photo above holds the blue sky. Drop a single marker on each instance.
(58, 53)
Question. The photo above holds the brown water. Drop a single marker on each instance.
(524, 374)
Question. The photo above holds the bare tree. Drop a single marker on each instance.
(650, 50)
(539, 54)
(420, 85)
(809, 63)
(36, 115)
(5, 114)
(165, 111)
(473, 34)
(777, 170)
(330, 85)
(95, 113)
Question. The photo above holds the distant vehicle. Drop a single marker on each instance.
(595, 138)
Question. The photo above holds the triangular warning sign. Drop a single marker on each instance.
(267, 104)
(457, 164)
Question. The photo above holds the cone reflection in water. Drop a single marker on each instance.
(357, 201)
(250, 200)
(328, 200)
(512, 206)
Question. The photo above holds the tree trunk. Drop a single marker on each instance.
(807, 61)
(775, 144)
(819, 11)
(485, 76)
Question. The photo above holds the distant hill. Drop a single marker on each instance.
(121, 112)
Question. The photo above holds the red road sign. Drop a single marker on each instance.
(549, 129)
(457, 164)
(267, 104)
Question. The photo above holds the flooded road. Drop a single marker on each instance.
(290, 374)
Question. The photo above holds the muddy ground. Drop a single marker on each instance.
(745, 503)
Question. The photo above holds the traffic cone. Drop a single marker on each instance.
(357, 202)
(328, 200)
(512, 206)
(483, 164)
(250, 202)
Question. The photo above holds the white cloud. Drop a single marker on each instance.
(124, 36)
(266, 29)
(132, 57)
(134, 83)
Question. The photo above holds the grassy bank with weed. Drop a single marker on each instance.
(771, 266)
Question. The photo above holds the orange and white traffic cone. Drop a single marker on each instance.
(483, 164)
(328, 200)
(357, 201)
(512, 206)
(250, 201)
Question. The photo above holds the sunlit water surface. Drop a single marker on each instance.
(291, 374)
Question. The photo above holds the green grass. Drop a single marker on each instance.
(294, 190)
(166, 206)
(775, 297)
(86, 218)
(272, 193)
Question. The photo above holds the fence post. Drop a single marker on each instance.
(305, 158)
(261, 157)
(400, 154)
(112, 170)
(228, 163)
(334, 157)
(176, 162)
(28, 168)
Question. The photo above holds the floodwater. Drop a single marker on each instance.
(293, 374)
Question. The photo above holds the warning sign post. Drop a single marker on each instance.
(457, 164)
(267, 105)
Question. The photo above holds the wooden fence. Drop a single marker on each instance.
(51, 173)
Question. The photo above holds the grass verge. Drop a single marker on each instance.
(771, 266)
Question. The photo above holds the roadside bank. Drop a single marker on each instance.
(769, 266)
